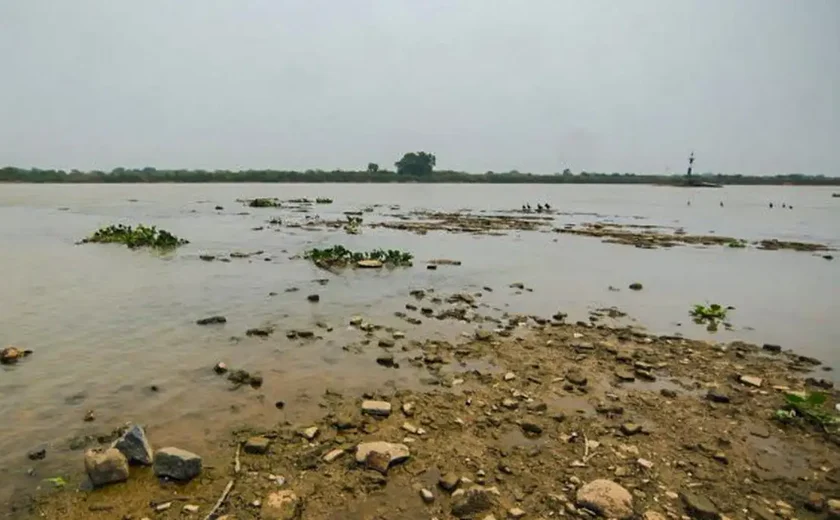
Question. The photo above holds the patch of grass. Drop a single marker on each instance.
(737, 244)
(809, 408)
(135, 237)
(340, 256)
(263, 203)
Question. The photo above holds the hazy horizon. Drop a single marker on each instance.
(752, 86)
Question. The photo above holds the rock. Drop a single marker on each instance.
(408, 409)
(635, 286)
(667, 392)
(333, 455)
(483, 335)
(314, 298)
(833, 507)
(699, 507)
(606, 498)
(515, 513)
(510, 404)
(476, 500)
(260, 331)
(418, 293)
(815, 502)
(281, 505)
(449, 482)
(653, 515)
(310, 433)
(427, 496)
(355, 321)
(631, 428)
(190, 508)
(176, 464)
(510, 376)
(106, 466)
(532, 428)
(379, 408)
(386, 360)
(751, 381)
(716, 396)
(624, 374)
(38, 454)
(387, 342)
(381, 455)
(220, 368)
(769, 347)
(212, 320)
(576, 377)
(257, 445)
(134, 445)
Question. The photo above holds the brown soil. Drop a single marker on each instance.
(551, 406)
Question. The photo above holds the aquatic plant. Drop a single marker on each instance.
(340, 256)
(353, 225)
(711, 312)
(808, 407)
(323, 201)
(134, 237)
(263, 203)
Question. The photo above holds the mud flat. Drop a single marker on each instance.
(528, 417)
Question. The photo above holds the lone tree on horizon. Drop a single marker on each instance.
(416, 163)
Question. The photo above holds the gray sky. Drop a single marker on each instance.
(533, 85)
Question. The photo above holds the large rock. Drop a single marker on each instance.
(135, 446)
(833, 507)
(606, 498)
(281, 505)
(466, 504)
(381, 455)
(699, 507)
(177, 464)
(106, 466)
(380, 408)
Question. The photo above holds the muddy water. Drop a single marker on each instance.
(107, 323)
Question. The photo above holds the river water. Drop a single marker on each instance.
(107, 323)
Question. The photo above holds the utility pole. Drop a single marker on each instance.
(690, 165)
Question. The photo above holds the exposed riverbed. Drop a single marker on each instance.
(107, 324)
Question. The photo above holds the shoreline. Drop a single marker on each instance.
(535, 408)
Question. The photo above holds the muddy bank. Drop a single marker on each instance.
(517, 421)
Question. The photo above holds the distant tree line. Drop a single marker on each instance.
(413, 167)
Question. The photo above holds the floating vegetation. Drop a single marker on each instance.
(738, 244)
(353, 226)
(339, 256)
(263, 203)
(323, 201)
(135, 237)
(808, 407)
(709, 315)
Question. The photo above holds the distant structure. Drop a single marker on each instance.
(690, 166)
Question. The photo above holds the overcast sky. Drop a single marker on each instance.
(534, 85)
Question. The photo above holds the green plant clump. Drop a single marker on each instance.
(340, 256)
(712, 312)
(323, 200)
(809, 408)
(264, 203)
(134, 237)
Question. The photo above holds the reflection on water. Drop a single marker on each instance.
(107, 324)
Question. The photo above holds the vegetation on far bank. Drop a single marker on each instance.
(135, 237)
(339, 256)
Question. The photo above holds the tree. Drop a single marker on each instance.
(567, 172)
(373, 167)
(416, 163)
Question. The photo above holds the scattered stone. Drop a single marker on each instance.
(381, 455)
(427, 496)
(716, 396)
(387, 342)
(576, 378)
(333, 455)
(314, 298)
(769, 347)
(386, 360)
(190, 508)
(635, 286)
(751, 381)
(515, 513)
(38, 454)
(483, 335)
(220, 368)
(699, 507)
(262, 332)
(310, 433)
(355, 321)
(163, 507)
(281, 505)
(476, 500)
(257, 445)
(106, 466)
(815, 502)
(833, 507)
(410, 428)
(408, 409)
(212, 320)
(134, 445)
(379, 408)
(624, 374)
(669, 393)
(510, 404)
(606, 498)
(176, 464)
(631, 428)
(510, 376)
(449, 482)
(653, 515)
(531, 428)
(645, 463)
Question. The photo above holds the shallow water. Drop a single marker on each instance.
(106, 322)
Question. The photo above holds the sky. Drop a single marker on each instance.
(752, 86)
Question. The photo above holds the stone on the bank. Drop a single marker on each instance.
(381, 455)
(387, 342)
(386, 360)
(212, 320)
(769, 347)
(310, 433)
(716, 396)
(106, 466)
(815, 502)
(624, 374)
(483, 335)
(176, 464)
(220, 368)
(191, 508)
(135, 446)
(333, 455)
(631, 428)
(257, 445)
(449, 481)
(606, 498)
(751, 381)
(510, 376)
(380, 408)
(475, 500)
(699, 507)
(427, 496)
(653, 515)
(408, 409)
(516, 513)
(576, 378)
(281, 505)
